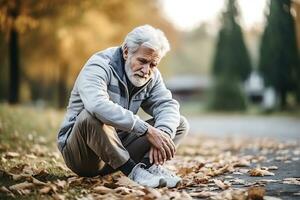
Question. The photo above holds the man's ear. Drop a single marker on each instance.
(125, 53)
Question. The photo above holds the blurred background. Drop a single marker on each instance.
(234, 64)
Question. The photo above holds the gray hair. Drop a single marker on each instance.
(147, 36)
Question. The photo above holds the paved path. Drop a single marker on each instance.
(276, 127)
(280, 127)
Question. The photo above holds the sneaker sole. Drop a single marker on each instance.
(174, 186)
(162, 183)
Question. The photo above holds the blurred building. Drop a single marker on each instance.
(257, 93)
(188, 87)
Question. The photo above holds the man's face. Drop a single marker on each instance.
(139, 66)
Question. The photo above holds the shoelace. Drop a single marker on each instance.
(162, 171)
(144, 173)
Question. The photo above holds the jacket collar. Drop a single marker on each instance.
(117, 62)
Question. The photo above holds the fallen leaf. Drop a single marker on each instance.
(37, 182)
(221, 184)
(4, 189)
(9, 155)
(102, 190)
(185, 196)
(222, 170)
(185, 171)
(31, 156)
(75, 180)
(260, 172)
(270, 168)
(58, 196)
(203, 194)
(271, 198)
(152, 193)
(293, 181)
(200, 180)
(17, 177)
(21, 186)
(45, 190)
(231, 194)
(61, 183)
(17, 169)
(256, 193)
(238, 181)
(242, 163)
(123, 190)
(125, 181)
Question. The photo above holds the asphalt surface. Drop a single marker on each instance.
(280, 128)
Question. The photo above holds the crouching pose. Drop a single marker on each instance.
(101, 132)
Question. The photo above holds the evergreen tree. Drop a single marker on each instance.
(231, 57)
(227, 95)
(278, 53)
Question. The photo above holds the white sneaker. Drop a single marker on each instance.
(145, 178)
(171, 178)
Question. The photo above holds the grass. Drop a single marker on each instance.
(21, 127)
(31, 133)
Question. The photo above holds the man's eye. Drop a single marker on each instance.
(152, 65)
(143, 61)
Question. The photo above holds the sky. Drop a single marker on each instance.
(188, 14)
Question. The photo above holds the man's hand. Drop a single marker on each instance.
(155, 156)
(164, 147)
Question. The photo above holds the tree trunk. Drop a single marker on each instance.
(14, 67)
(282, 99)
(62, 86)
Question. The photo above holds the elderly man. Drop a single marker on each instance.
(102, 133)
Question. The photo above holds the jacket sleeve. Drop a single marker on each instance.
(92, 87)
(163, 108)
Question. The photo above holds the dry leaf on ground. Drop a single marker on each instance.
(202, 194)
(102, 190)
(221, 184)
(294, 181)
(256, 193)
(21, 186)
(260, 172)
(9, 155)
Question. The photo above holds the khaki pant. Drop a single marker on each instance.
(93, 145)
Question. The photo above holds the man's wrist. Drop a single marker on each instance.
(146, 131)
(140, 128)
(165, 130)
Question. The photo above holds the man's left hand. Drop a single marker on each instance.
(157, 157)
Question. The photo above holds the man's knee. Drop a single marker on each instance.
(184, 126)
(85, 119)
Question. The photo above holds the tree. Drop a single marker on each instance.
(17, 16)
(62, 38)
(231, 57)
(227, 95)
(278, 53)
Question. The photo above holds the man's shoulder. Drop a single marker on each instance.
(102, 58)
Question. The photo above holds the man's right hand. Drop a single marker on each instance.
(161, 141)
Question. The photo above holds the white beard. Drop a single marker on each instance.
(136, 80)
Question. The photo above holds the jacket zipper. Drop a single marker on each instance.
(127, 92)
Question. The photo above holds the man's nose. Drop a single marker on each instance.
(145, 69)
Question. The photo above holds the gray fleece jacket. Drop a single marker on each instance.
(101, 89)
